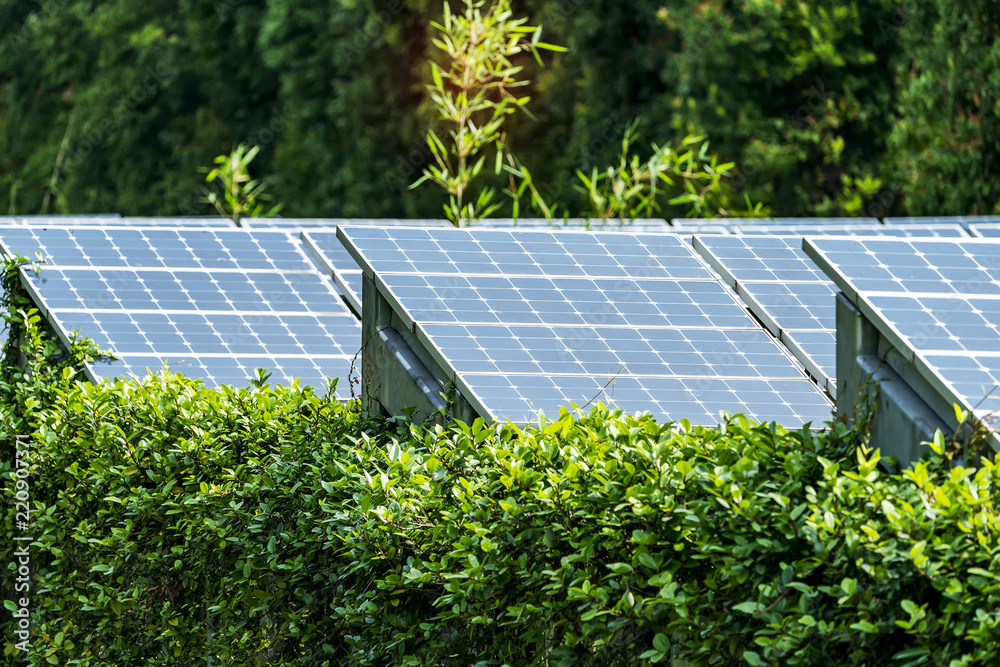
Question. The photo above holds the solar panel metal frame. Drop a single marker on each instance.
(897, 339)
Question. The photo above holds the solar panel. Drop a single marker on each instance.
(985, 230)
(785, 289)
(219, 370)
(703, 229)
(937, 302)
(213, 302)
(932, 230)
(632, 319)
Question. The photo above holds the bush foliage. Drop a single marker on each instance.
(274, 525)
(827, 107)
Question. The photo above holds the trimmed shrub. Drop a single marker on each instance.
(173, 524)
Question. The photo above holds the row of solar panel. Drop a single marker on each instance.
(939, 299)
(570, 302)
(946, 226)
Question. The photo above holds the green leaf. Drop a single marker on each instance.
(661, 643)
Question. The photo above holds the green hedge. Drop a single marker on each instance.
(276, 526)
(828, 107)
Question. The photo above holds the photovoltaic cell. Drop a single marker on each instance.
(913, 265)
(78, 219)
(761, 222)
(655, 225)
(333, 223)
(799, 306)
(938, 302)
(634, 320)
(195, 333)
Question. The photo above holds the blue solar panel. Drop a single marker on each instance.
(937, 302)
(655, 225)
(523, 321)
(214, 303)
(338, 263)
(916, 266)
(758, 258)
(77, 219)
(212, 222)
(216, 371)
(623, 351)
(171, 333)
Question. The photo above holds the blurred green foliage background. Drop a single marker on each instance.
(853, 108)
